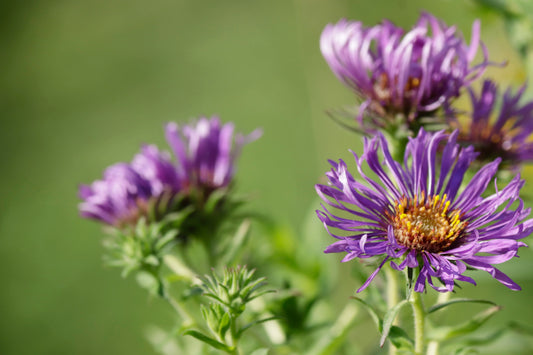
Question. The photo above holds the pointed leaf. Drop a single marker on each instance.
(445, 333)
(223, 325)
(371, 311)
(401, 341)
(457, 300)
(237, 242)
(388, 319)
(165, 239)
(152, 260)
(521, 328)
(208, 340)
(251, 324)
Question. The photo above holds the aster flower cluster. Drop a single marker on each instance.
(156, 202)
(425, 198)
(152, 183)
(416, 212)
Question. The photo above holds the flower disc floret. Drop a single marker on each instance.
(427, 224)
(415, 214)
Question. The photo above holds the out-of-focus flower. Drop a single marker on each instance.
(120, 197)
(206, 151)
(128, 191)
(205, 160)
(409, 74)
(416, 213)
(505, 133)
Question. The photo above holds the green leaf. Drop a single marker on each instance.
(208, 340)
(401, 341)
(165, 239)
(371, 311)
(223, 325)
(521, 328)
(237, 243)
(251, 324)
(152, 260)
(149, 282)
(445, 333)
(485, 340)
(388, 319)
(457, 300)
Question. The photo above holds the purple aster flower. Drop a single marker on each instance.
(505, 132)
(205, 151)
(394, 72)
(127, 191)
(205, 156)
(120, 197)
(415, 214)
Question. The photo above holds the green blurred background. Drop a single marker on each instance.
(84, 83)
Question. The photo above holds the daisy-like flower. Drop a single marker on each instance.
(127, 191)
(414, 214)
(396, 73)
(205, 151)
(205, 161)
(505, 132)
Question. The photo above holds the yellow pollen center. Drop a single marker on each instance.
(427, 224)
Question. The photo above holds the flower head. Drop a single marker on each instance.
(416, 213)
(205, 151)
(505, 132)
(127, 191)
(205, 158)
(409, 74)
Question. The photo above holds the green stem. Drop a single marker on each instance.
(182, 270)
(419, 320)
(179, 268)
(433, 346)
(234, 338)
(392, 296)
(180, 310)
(392, 287)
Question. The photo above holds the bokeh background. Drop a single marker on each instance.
(85, 83)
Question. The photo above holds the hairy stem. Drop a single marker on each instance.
(419, 320)
(392, 296)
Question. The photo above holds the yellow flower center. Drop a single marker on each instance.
(427, 224)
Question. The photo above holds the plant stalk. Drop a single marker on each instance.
(419, 321)
(392, 296)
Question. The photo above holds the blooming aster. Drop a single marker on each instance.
(505, 132)
(410, 74)
(205, 159)
(127, 191)
(414, 214)
(205, 151)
